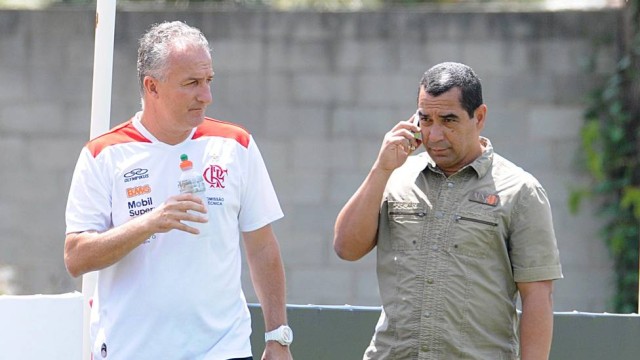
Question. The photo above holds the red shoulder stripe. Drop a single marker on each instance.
(121, 134)
(213, 127)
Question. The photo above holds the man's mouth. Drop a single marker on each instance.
(437, 149)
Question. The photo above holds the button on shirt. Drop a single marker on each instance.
(450, 252)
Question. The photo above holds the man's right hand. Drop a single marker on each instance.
(397, 146)
(175, 211)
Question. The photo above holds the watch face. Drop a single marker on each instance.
(287, 334)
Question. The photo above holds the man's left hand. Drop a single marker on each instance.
(275, 351)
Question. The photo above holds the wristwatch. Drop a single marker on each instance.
(283, 335)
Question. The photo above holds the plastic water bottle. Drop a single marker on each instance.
(191, 181)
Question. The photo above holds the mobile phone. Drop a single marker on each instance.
(416, 122)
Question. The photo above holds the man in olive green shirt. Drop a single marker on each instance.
(460, 232)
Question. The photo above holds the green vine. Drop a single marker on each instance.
(610, 144)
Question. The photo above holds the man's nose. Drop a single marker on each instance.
(436, 133)
(204, 95)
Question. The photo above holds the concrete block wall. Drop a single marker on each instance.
(318, 91)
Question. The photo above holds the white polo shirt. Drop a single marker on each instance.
(176, 296)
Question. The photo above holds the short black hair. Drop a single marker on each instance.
(448, 75)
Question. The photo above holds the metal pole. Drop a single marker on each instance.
(100, 123)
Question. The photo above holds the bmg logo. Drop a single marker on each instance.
(138, 190)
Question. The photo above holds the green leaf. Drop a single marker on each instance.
(631, 200)
(575, 199)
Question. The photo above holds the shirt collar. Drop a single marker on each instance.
(480, 165)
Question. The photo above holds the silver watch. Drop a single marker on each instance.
(283, 335)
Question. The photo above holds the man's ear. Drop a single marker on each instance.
(480, 115)
(150, 85)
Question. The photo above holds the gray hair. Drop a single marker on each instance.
(156, 44)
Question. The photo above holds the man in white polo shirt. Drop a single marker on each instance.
(163, 292)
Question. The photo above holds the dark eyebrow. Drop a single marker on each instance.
(445, 116)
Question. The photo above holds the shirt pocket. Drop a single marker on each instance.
(406, 225)
(474, 234)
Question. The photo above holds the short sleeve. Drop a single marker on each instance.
(89, 201)
(532, 244)
(259, 203)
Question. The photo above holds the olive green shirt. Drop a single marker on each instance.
(450, 252)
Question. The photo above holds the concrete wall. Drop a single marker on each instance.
(318, 91)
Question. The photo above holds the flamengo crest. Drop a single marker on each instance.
(215, 175)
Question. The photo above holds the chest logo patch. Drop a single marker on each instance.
(215, 176)
(138, 190)
(483, 198)
(136, 174)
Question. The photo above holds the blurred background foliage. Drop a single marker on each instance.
(610, 154)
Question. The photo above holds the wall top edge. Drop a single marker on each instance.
(420, 9)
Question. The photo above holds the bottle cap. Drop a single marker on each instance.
(185, 163)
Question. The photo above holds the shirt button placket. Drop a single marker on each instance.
(445, 199)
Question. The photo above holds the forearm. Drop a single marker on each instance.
(90, 251)
(356, 226)
(267, 275)
(536, 326)
(269, 282)
(357, 223)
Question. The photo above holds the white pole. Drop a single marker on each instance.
(100, 123)
(102, 67)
